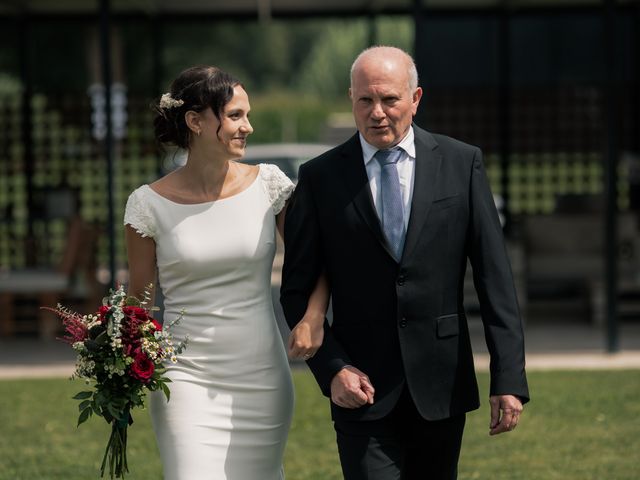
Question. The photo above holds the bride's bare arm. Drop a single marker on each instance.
(306, 337)
(141, 255)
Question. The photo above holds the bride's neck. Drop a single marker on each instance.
(205, 174)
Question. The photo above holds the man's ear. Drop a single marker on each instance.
(417, 95)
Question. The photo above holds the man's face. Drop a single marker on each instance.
(383, 103)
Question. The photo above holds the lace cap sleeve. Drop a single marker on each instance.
(138, 214)
(277, 185)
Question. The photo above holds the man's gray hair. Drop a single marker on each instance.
(413, 71)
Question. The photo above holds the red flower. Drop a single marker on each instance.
(135, 317)
(156, 324)
(138, 313)
(142, 367)
(131, 350)
(102, 311)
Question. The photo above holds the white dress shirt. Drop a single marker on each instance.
(406, 169)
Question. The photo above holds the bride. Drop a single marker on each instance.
(207, 230)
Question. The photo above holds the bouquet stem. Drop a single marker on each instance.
(116, 452)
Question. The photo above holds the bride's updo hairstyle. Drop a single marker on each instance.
(197, 89)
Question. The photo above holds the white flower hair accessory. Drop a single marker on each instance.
(167, 101)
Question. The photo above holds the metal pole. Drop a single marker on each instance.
(504, 113)
(636, 75)
(418, 52)
(27, 138)
(157, 48)
(105, 47)
(611, 220)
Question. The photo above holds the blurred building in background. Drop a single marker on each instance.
(549, 89)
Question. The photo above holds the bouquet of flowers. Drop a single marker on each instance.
(121, 351)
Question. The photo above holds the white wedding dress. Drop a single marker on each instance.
(231, 392)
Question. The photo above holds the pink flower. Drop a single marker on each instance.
(75, 329)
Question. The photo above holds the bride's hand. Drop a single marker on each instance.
(306, 337)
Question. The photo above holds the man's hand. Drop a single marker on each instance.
(350, 388)
(505, 412)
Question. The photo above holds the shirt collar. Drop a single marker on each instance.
(407, 144)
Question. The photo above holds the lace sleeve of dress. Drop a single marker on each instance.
(277, 185)
(138, 214)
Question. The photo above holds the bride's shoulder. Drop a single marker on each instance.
(138, 212)
(272, 174)
(139, 194)
(277, 185)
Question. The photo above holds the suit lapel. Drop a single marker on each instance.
(357, 182)
(427, 169)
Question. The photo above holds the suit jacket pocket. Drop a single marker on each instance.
(446, 202)
(447, 325)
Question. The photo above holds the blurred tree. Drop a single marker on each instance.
(263, 56)
(397, 31)
(296, 71)
(310, 56)
(326, 69)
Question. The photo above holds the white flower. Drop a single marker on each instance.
(167, 101)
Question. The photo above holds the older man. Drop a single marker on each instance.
(391, 216)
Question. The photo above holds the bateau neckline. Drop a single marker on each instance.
(209, 202)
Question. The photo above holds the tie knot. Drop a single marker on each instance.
(388, 157)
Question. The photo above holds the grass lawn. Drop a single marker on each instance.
(579, 426)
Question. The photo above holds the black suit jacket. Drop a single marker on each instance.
(404, 321)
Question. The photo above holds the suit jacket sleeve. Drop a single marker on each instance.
(303, 264)
(496, 290)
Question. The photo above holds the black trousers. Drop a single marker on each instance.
(400, 446)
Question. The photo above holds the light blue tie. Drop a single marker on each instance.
(391, 195)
